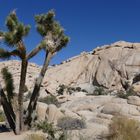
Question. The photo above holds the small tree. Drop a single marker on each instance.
(55, 40)
(13, 37)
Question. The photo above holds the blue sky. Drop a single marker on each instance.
(89, 23)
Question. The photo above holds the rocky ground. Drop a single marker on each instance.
(113, 67)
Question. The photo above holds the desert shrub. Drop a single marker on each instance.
(68, 89)
(35, 137)
(46, 128)
(123, 128)
(2, 116)
(53, 133)
(99, 91)
(50, 100)
(68, 123)
(78, 89)
(61, 89)
(126, 94)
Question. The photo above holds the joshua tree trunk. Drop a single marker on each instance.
(19, 114)
(8, 110)
(19, 111)
(33, 101)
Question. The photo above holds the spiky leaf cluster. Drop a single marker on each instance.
(8, 80)
(16, 30)
(46, 24)
(4, 54)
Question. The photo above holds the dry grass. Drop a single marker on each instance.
(35, 137)
(68, 123)
(123, 128)
(2, 116)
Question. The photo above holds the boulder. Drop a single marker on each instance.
(89, 88)
(134, 100)
(112, 108)
(69, 113)
(53, 114)
(78, 94)
(41, 110)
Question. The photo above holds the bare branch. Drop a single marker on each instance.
(34, 51)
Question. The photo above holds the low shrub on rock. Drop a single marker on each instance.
(68, 89)
(126, 94)
(35, 137)
(46, 128)
(123, 128)
(50, 100)
(68, 123)
(99, 91)
(2, 116)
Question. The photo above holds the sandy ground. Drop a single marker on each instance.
(12, 136)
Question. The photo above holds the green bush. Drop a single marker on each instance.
(2, 116)
(46, 128)
(35, 137)
(68, 89)
(123, 128)
(99, 91)
(68, 123)
(126, 94)
(50, 100)
(61, 89)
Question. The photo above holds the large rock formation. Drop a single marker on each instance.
(112, 66)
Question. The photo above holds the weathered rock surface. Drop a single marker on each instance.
(110, 66)
(41, 110)
(134, 100)
(98, 111)
(53, 114)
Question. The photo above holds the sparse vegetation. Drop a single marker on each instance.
(68, 123)
(123, 128)
(50, 100)
(99, 91)
(126, 94)
(35, 137)
(2, 116)
(69, 90)
(9, 84)
(46, 128)
(61, 89)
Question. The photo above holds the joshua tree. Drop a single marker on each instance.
(55, 39)
(13, 37)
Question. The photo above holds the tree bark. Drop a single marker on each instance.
(34, 52)
(33, 101)
(19, 114)
(19, 109)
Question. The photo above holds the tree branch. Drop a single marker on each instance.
(34, 51)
